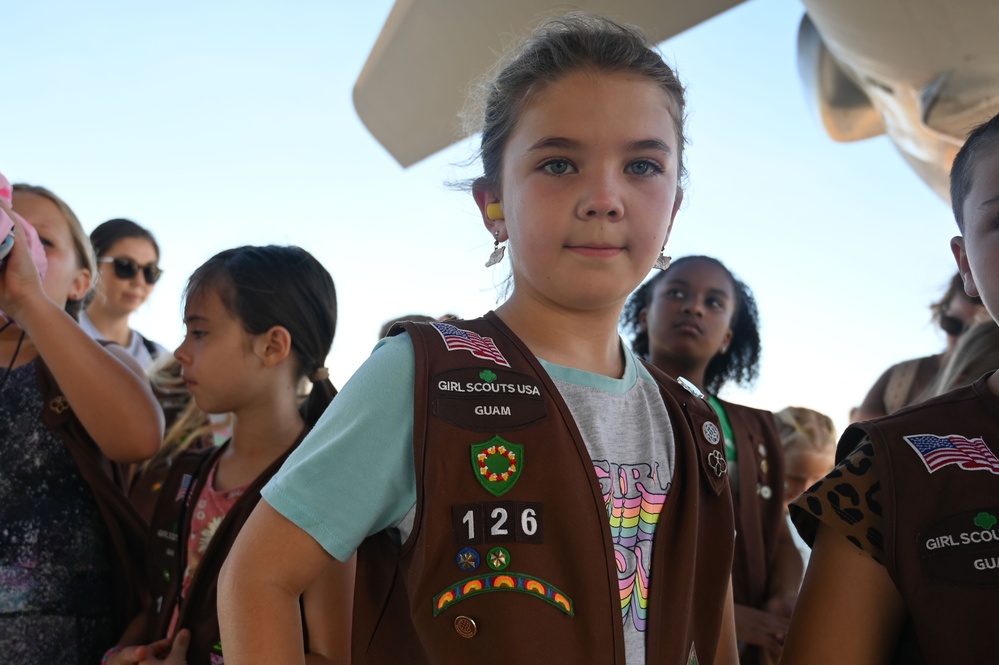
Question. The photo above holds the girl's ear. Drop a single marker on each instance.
(727, 341)
(963, 266)
(491, 210)
(273, 346)
(81, 284)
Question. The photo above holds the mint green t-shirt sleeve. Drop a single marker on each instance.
(354, 475)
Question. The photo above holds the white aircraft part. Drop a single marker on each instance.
(843, 107)
(415, 82)
(930, 67)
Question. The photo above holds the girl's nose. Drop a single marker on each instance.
(601, 200)
(692, 306)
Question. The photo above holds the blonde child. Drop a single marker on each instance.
(905, 554)
(70, 410)
(259, 319)
(503, 481)
(809, 441)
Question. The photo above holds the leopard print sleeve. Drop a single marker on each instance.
(848, 500)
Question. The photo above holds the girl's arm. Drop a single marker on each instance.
(845, 593)
(728, 649)
(270, 565)
(114, 404)
(328, 612)
(105, 387)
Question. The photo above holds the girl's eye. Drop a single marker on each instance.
(715, 303)
(46, 242)
(557, 167)
(673, 293)
(644, 167)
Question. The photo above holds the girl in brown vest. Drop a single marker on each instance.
(697, 321)
(905, 549)
(260, 321)
(469, 550)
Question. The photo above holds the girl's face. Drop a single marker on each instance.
(64, 278)
(216, 356)
(803, 467)
(977, 252)
(689, 317)
(120, 296)
(589, 189)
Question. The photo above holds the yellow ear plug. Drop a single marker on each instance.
(494, 211)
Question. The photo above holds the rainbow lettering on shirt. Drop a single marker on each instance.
(634, 497)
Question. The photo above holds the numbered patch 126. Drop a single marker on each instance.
(498, 522)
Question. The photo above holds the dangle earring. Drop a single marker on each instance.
(498, 251)
(663, 261)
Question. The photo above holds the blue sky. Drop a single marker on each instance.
(226, 123)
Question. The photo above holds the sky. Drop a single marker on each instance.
(223, 123)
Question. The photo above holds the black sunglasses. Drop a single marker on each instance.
(127, 269)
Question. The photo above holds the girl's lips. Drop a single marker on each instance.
(599, 252)
(689, 327)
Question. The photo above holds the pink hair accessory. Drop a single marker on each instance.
(7, 231)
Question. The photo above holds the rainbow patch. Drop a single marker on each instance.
(480, 584)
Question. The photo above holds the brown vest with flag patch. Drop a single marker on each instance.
(511, 558)
(938, 465)
(167, 552)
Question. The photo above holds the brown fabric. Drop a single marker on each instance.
(759, 509)
(759, 514)
(941, 543)
(144, 489)
(167, 551)
(126, 529)
(394, 617)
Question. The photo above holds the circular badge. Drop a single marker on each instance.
(711, 433)
(498, 558)
(766, 492)
(465, 627)
(763, 451)
(467, 559)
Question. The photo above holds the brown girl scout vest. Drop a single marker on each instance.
(759, 508)
(939, 471)
(167, 553)
(511, 558)
(126, 528)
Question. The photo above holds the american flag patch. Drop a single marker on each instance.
(457, 339)
(185, 483)
(939, 451)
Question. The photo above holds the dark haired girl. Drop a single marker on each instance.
(696, 321)
(260, 320)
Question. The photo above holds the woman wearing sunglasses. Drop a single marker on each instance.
(127, 258)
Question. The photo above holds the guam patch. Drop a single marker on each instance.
(938, 451)
(963, 549)
(487, 400)
(456, 339)
(498, 464)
